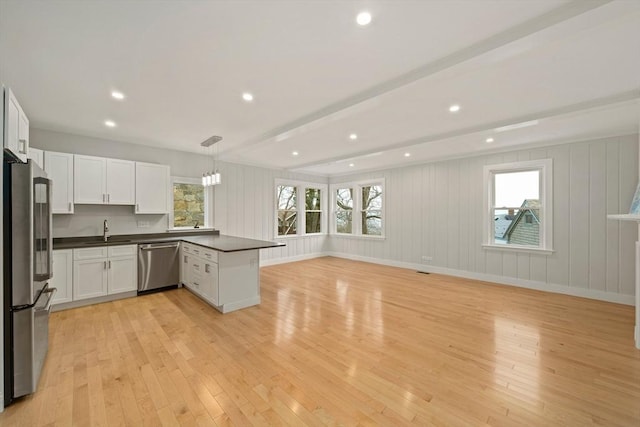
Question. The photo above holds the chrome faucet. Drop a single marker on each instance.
(105, 230)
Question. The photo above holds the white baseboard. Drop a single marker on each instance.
(92, 301)
(276, 261)
(237, 305)
(512, 281)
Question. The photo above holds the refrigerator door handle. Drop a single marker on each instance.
(51, 291)
(33, 304)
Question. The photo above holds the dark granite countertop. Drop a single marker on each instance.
(224, 243)
(210, 239)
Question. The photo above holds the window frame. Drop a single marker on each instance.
(545, 168)
(301, 210)
(208, 214)
(357, 210)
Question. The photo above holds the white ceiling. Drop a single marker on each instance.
(573, 67)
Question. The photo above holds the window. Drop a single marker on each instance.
(518, 205)
(372, 210)
(190, 204)
(368, 205)
(311, 207)
(344, 210)
(287, 210)
(313, 210)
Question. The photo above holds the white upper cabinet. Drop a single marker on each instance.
(59, 168)
(101, 181)
(121, 182)
(37, 156)
(90, 180)
(16, 127)
(152, 188)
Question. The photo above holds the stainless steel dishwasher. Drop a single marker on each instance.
(158, 266)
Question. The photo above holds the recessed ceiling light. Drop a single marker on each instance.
(363, 18)
(117, 95)
(110, 123)
(353, 136)
(247, 97)
(351, 165)
(454, 108)
(488, 140)
(407, 154)
(294, 153)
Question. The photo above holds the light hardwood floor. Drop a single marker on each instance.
(339, 342)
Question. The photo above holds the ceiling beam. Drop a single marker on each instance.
(366, 99)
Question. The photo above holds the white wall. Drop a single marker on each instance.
(243, 204)
(432, 209)
(245, 207)
(436, 210)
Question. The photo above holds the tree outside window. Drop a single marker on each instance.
(372, 210)
(287, 210)
(344, 210)
(313, 210)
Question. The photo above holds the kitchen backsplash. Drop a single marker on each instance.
(88, 221)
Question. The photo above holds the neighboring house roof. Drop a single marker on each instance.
(533, 206)
(502, 222)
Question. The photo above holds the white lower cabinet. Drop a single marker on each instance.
(62, 278)
(89, 278)
(199, 272)
(210, 290)
(228, 281)
(101, 271)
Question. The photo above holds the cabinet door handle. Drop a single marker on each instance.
(196, 283)
(104, 266)
(108, 198)
(185, 259)
(206, 268)
(103, 198)
(109, 264)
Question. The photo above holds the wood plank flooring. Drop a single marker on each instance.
(338, 342)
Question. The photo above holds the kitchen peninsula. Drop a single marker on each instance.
(222, 270)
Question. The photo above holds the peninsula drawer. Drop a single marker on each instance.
(210, 255)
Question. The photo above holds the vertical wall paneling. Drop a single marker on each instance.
(558, 262)
(464, 219)
(433, 209)
(441, 217)
(613, 227)
(628, 169)
(597, 215)
(453, 214)
(579, 216)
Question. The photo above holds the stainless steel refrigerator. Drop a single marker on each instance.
(27, 270)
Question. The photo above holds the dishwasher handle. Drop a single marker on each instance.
(152, 247)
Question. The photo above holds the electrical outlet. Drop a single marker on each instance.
(426, 258)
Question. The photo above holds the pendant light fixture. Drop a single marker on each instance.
(213, 176)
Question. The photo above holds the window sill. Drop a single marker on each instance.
(516, 248)
(189, 229)
(296, 236)
(357, 236)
